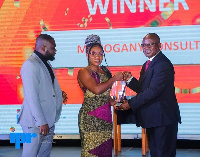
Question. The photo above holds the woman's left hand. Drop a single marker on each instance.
(112, 102)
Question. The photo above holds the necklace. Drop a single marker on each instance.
(94, 70)
(95, 74)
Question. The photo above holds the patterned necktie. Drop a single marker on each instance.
(147, 64)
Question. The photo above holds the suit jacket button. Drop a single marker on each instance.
(53, 95)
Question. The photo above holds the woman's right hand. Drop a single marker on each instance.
(118, 76)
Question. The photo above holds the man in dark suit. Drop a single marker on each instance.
(155, 104)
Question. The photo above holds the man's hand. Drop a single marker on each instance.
(124, 106)
(112, 102)
(126, 75)
(44, 129)
(64, 95)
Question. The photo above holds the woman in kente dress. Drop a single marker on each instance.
(95, 118)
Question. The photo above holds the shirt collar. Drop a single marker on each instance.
(41, 56)
(153, 56)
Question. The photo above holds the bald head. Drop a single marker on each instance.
(152, 36)
(151, 44)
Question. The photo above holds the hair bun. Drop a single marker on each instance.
(92, 39)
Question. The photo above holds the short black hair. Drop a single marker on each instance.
(45, 37)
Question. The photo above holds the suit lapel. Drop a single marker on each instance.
(155, 59)
(52, 71)
(143, 73)
(43, 66)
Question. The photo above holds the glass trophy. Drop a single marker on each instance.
(118, 92)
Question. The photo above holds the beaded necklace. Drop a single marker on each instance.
(96, 73)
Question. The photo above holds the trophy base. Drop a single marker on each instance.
(118, 104)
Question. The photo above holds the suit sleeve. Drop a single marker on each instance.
(158, 81)
(59, 100)
(134, 83)
(31, 81)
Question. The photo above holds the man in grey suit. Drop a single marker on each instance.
(43, 98)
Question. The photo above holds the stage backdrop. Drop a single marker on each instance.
(121, 24)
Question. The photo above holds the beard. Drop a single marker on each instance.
(49, 56)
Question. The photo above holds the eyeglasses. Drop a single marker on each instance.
(148, 45)
(93, 53)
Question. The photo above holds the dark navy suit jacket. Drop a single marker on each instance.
(155, 103)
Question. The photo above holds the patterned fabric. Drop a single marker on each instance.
(95, 122)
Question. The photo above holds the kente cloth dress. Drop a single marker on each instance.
(95, 122)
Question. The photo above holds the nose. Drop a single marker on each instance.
(97, 56)
(146, 47)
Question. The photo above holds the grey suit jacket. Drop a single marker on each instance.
(42, 99)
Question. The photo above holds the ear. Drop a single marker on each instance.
(44, 48)
(159, 45)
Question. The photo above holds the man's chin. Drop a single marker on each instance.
(148, 55)
(52, 58)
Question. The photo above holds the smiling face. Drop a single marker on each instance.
(151, 45)
(95, 55)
